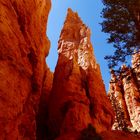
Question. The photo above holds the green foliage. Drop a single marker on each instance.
(122, 22)
(90, 134)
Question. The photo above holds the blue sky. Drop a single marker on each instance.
(90, 13)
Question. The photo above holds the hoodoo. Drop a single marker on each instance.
(78, 96)
(124, 94)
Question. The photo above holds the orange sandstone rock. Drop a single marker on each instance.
(78, 95)
(136, 68)
(132, 98)
(23, 48)
(116, 95)
(119, 135)
(42, 115)
(124, 94)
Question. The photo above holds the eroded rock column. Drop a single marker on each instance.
(116, 96)
(132, 97)
(136, 68)
(78, 95)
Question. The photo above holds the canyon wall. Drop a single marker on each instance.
(37, 104)
(23, 70)
(78, 96)
(124, 94)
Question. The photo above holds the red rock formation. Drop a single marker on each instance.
(132, 98)
(119, 135)
(23, 48)
(78, 95)
(136, 67)
(117, 99)
(129, 95)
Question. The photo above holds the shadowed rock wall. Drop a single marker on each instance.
(23, 48)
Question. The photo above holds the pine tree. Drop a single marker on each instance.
(122, 22)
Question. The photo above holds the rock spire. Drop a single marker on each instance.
(124, 94)
(78, 96)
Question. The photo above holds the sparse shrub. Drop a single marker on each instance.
(90, 134)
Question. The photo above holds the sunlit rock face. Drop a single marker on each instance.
(78, 96)
(136, 67)
(79, 46)
(128, 113)
(115, 94)
(132, 98)
(23, 48)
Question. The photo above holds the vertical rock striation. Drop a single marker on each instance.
(126, 101)
(78, 96)
(23, 48)
(117, 99)
(136, 68)
(34, 103)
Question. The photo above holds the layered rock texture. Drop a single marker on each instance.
(36, 104)
(124, 94)
(78, 96)
(23, 70)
